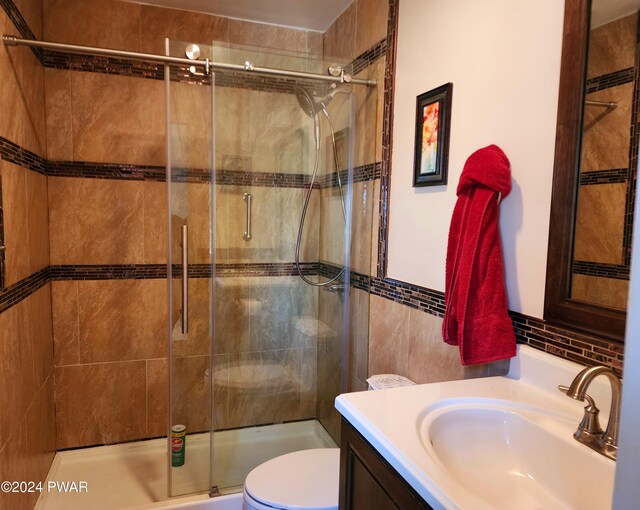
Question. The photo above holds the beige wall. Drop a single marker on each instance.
(27, 425)
(505, 76)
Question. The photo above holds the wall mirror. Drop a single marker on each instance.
(595, 168)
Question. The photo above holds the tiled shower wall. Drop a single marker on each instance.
(108, 329)
(358, 36)
(27, 423)
(608, 169)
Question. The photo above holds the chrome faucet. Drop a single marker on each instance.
(589, 431)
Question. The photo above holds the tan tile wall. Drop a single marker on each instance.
(408, 342)
(27, 422)
(600, 217)
(359, 27)
(105, 330)
(267, 338)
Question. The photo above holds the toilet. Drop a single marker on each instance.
(307, 479)
(303, 480)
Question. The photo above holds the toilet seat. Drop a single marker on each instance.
(307, 479)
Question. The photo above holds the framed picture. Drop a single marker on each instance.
(433, 117)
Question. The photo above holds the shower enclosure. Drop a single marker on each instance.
(259, 201)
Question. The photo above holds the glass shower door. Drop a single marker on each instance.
(279, 342)
(190, 177)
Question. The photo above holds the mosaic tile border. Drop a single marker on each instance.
(387, 140)
(615, 271)
(609, 80)
(153, 71)
(357, 280)
(361, 173)
(266, 269)
(15, 293)
(17, 155)
(107, 272)
(613, 176)
(158, 271)
(367, 58)
(583, 349)
(87, 170)
(3, 266)
(271, 179)
(566, 343)
(21, 24)
(420, 298)
(102, 64)
(634, 146)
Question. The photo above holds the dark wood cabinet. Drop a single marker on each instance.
(367, 481)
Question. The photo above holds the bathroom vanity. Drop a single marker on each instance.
(493, 443)
(367, 480)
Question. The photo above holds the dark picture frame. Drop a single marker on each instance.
(431, 150)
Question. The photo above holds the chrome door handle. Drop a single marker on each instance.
(247, 198)
(185, 279)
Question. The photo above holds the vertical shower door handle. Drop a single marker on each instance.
(247, 198)
(185, 279)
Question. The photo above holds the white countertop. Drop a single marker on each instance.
(391, 419)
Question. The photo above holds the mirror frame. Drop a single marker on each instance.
(558, 306)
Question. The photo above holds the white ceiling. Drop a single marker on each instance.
(308, 14)
(605, 11)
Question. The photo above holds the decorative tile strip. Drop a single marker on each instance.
(562, 342)
(108, 272)
(157, 271)
(15, 293)
(421, 298)
(328, 269)
(357, 280)
(20, 23)
(367, 58)
(271, 179)
(265, 269)
(263, 83)
(3, 267)
(102, 64)
(361, 173)
(105, 171)
(387, 141)
(568, 344)
(360, 281)
(610, 80)
(17, 155)
(154, 71)
(614, 176)
(615, 271)
(634, 146)
(13, 153)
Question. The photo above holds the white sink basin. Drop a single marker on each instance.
(510, 457)
(493, 443)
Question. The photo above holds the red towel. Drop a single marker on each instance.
(476, 317)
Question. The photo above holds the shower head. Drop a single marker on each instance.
(311, 106)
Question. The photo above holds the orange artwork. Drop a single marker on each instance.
(429, 138)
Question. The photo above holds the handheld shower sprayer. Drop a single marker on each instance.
(312, 107)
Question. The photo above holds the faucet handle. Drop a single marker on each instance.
(590, 424)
